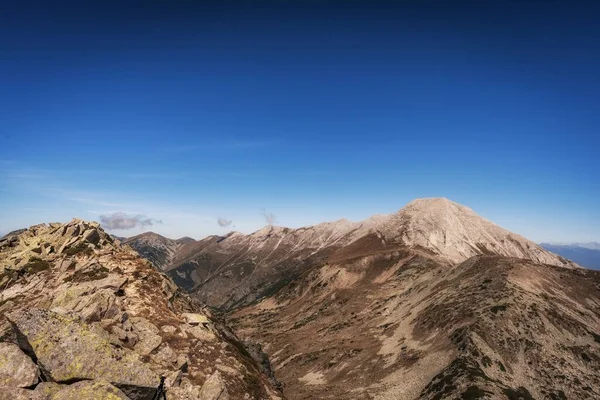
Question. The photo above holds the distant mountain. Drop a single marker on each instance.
(431, 302)
(584, 254)
(13, 233)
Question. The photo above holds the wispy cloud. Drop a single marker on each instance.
(122, 221)
(223, 222)
(269, 217)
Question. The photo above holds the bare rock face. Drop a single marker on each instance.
(16, 368)
(82, 317)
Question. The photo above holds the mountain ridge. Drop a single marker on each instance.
(450, 231)
(431, 302)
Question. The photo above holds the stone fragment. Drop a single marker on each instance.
(92, 236)
(168, 329)
(165, 356)
(195, 319)
(201, 333)
(148, 337)
(214, 388)
(16, 368)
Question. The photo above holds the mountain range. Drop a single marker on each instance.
(430, 302)
(585, 254)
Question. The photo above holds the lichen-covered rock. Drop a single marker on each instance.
(11, 393)
(195, 319)
(179, 393)
(90, 390)
(17, 370)
(68, 350)
(47, 389)
(165, 355)
(148, 337)
(201, 333)
(214, 388)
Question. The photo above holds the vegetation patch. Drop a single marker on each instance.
(444, 383)
(560, 395)
(36, 265)
(518, 394)
(499, 307)
(501, 366)
(473, 392)
(92, 274)
(485, 360)
(80, 248)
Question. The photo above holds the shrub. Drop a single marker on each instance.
(80, 248)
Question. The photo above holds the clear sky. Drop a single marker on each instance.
(186, 112)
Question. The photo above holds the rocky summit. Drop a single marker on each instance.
(82, 317)
(431, 302)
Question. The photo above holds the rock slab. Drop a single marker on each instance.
(16, 368)
(68, 350)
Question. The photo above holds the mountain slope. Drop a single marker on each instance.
(81, 315)
(158, 249)
(401, 325)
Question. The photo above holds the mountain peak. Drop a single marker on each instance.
(456, 233)
(437, 205)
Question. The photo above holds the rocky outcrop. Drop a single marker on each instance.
(83, 317)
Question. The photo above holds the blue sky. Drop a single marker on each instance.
(187, 112)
